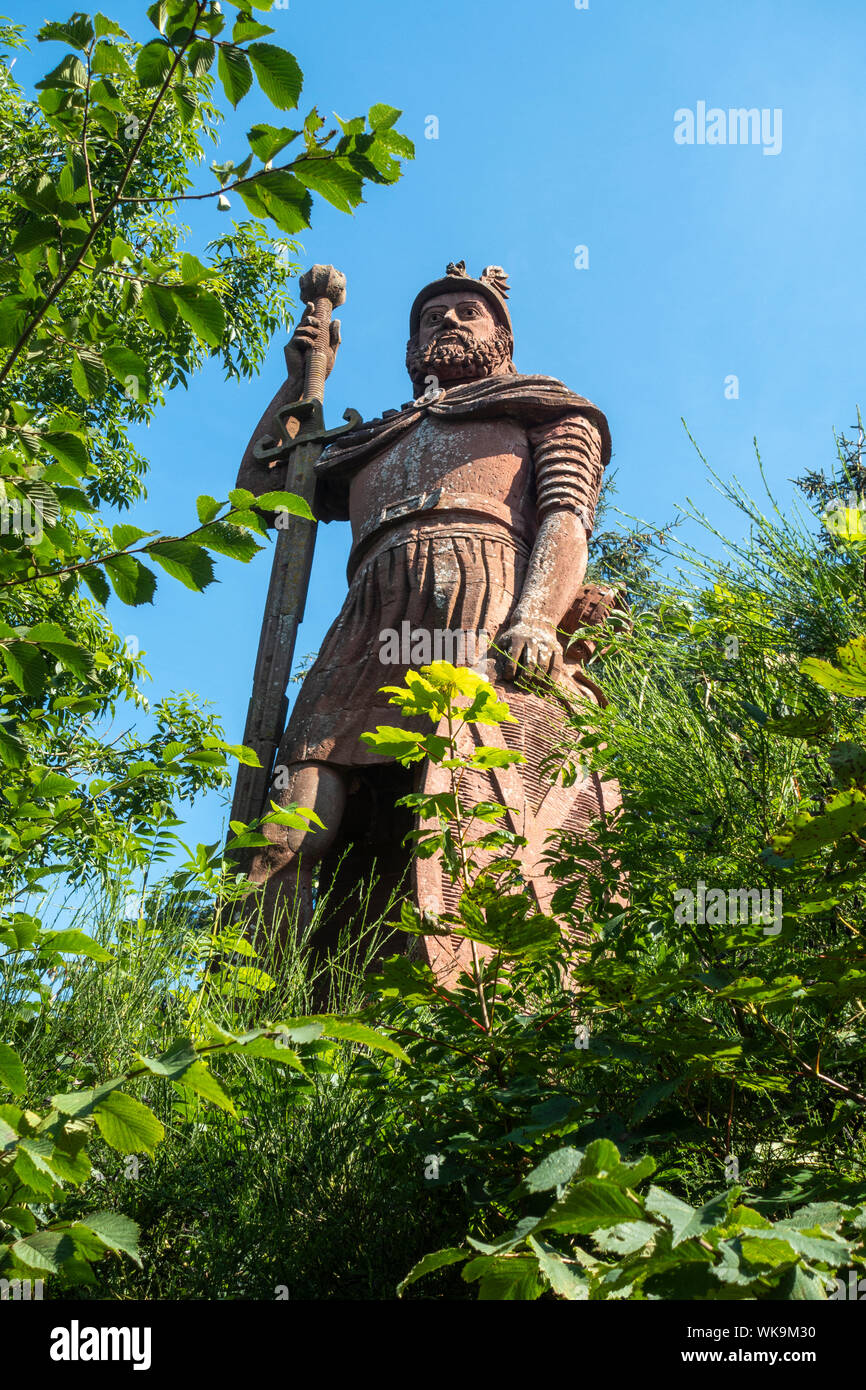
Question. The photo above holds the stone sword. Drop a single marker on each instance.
(300, 436)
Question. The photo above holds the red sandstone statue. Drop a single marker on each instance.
(471, 507)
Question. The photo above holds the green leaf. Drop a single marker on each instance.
(103, 27)
(437, 1260)
(132, 581)
(845, 814)
(203, 312)
(555, 1170)
(207, 508)
(116, 1232)
(125, 535)
(159, 308)
(77, 31)
(199, 1079)
(234, 72)
(346, 1030)
(248, 756)
(559, 1276)
(39, 231)
(96, 582)
(848, 677)
(128, 1125)
(678, 1215)
(12, 1074)
(153, 63)
(333, 179)
(200, 56)
(279, 75)
(590, 1205)
(240, 497)
(229, 540)
(25, 666)
(382, 117)
(108, 59)
(285, 502)
(68, 449)
(495, 757)
(69, 73)
(511, 1278)
(89, 376)
(73, 942)
(186, 561)
(266, 141)
(192, 272)
(246, 28)
(128, 368)
(174, 1062)
(46, 1250)
(283, 197)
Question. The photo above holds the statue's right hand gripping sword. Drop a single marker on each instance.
(300, 437)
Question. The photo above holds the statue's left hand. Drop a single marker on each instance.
(532, 645)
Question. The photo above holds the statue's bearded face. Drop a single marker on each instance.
(458, 340)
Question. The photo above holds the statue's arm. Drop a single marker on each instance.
(254, 475)
(568, 471)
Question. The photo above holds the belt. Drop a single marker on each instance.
(440, 501)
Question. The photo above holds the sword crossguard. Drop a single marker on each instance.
(301, 422)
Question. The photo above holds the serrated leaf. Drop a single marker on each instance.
(107, 59)
(234, 72)
(347, 1030)
(591, 1205)
(207, 508)
(159, 308)
(278, 73)
(186, 561)
(555, 1170)
(437, 1260)
(333, 179)
(25, 666)
(153, 63)
(201, 1080)
(115, 1231)
(132, 581)
(12, 1074)
(73, 942)
(848, 676)
(285, 502)
(77, 31)
(266, 141)
(46, 1250)
(562, 1280)
(381, 117)
(845, 814)
(229, 540)
(68, 449)
(128, 1125)
(128, 368)
(283, 197)
(200, 56)
(203, 312)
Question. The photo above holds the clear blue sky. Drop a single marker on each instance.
(556, 129)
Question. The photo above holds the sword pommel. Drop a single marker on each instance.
(323, 282)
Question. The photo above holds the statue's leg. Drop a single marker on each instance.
(286, 866)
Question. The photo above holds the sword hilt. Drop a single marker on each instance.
(323, 288)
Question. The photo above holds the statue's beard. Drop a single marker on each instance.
(461, 358)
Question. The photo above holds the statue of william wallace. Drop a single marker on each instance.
(471, 507)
